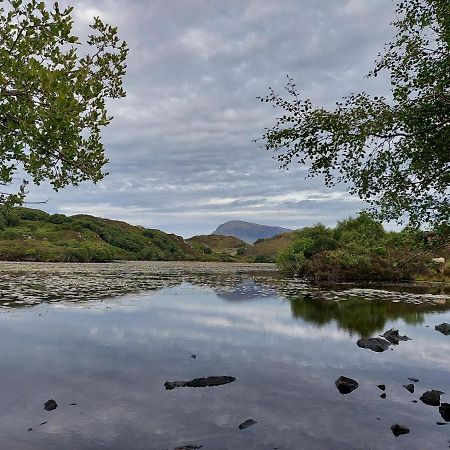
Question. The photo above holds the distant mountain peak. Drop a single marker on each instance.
(248, 231)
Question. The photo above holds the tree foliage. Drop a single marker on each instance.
(53, 93)
(394, 152)
(360, 249)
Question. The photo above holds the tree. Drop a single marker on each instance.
(393, 152)
(53, 94)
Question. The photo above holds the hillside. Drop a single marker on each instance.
(219, 244)
(248, 231)
(33, 235)
(270, 247)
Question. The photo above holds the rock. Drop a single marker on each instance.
(398, 429)
(409, 387)
(193, 356)
(414, 380)
(50, 405)
(382, 387)
(189, 447)
(432, 398)
(383, 396)
(441, 423)
(247, 423)
(43, 423)
(394, 337)
(30, 429)
(444, 328)
(375, 344)
(414, 401)
(346, 385)
(199, 382)
(444, 411)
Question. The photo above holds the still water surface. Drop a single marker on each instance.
(107, 337)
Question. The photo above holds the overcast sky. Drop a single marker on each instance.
(181, 150)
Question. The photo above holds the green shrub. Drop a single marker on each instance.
(59, 219)
(34, 215)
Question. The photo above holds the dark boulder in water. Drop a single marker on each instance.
(189, 447)
(409, 387)
(398, 429)
(346, 385)
(414, 380)
(50, 405)
(199, 382)
(444, 411)
(247, 423)
(375, 344)
(382, 387)
(432, 398)
(444, 328)
(394, 337)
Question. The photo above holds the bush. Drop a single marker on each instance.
(357, 249)
(59, 219)
(292, 262)
(263, 259)
(34, 215)
(9, 216)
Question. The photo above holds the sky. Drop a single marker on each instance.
(181, 145)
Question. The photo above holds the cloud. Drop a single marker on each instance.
(181, 145)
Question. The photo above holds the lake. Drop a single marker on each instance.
(102, 339)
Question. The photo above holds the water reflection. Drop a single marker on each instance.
(360, 316)
(105, 360)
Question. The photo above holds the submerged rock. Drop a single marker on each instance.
(432, 398)
(247, 423)
(444, 411)
(199, 382)
(398, 429)
(444, 328)
(394, 337)
(189, 447)
(383, 396)
(381, 386)
(50, 405)
(409, 387)
(414, 380)
(346, 385)
(375, 344)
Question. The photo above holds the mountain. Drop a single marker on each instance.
(247, 231)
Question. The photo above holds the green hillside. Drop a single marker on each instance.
(219, 244)
(33, 235)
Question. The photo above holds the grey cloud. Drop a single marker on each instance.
(181, 144)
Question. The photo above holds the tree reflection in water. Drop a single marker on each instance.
(358, 315)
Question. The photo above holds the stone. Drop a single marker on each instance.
(375, 344)
(398, 429)
(382, 387)
(444, 411)
(414, 380)
(432, 398)
(394, 337)
(189, 447)
(383, 396)
(409, 387)
(444, 328)
(247, 423)
(50, 405)
(193, 356)
(199, 382)
(346, 385)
